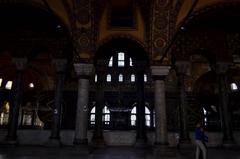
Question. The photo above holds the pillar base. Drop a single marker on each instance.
(53, 142)
(82, 146)
(98, 143)
(140, 143)
(80, 142)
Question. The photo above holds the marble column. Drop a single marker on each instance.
(159, 73)
(21, 64)
(221, 69)
(181, 68)
(60, 68)
(141, 136)
(84, 72)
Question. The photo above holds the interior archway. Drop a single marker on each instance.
(119, 64)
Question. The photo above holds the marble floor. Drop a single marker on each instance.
(108, 153)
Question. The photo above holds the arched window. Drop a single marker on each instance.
(121, 59)
(132, 78)
(1, 80)
(147, 117)
(9, 85)
(109, 78)
(133, 116)
(234, 87)
(120, 78)
(106, 115)
(205, 114)
(110, 63)
(145, 78)
(92, 116)
(95, 78)
(4, 113)
(130, 62)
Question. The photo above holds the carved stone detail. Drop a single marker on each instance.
(160, 70)
(160, 26)
(83, 69)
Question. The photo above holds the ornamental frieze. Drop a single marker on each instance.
(160, 27)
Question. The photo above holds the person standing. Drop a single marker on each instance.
(200, 139)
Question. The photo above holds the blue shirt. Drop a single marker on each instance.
(199, 134)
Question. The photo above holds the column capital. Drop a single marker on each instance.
(20, 63)
(222, 67)
(83, 69)
(182, 67)
(160, 71)
(60, 65)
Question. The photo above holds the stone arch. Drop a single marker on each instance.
(123, 42)
(208, 8)
(207, 28)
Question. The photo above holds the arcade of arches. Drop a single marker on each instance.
(88, 72)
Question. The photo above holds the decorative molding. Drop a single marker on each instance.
(160, 26)
(160, 70)
(83, 69)
(83, 28)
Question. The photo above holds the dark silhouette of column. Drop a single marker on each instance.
(159, 74)
(221, 69)
(60, 68)
(98, 139)
(84, 72)
(21, 64)
(141, 136)
(181, 68)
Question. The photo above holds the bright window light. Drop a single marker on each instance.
(132, 78)
(110, 64)
(130, 62)
(120, 78)
(1, 82)
(95, 78)
(145, 78)
(31, 85)
(9, 85)
(92, 115)
(109, 78)
(121, 58)
(234, 87)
